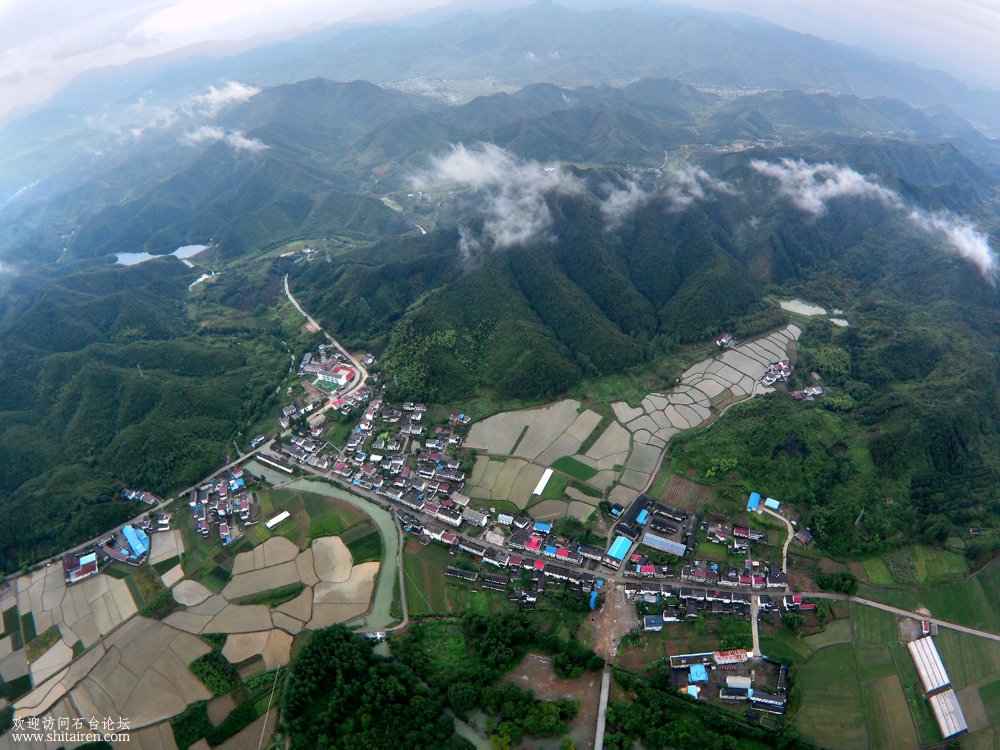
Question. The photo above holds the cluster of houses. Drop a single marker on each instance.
(781, 370)
(752, 574)
(223, 501)
(140, 496)
(809, 393)
(656, 525)
(736, 538)
(693, 674)
(129, 545)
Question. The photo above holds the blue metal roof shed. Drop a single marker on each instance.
(698, 673)
(771, 503)
(545, 528)
(641, 518)
(620, 548)
(754, 501)
(137, 540)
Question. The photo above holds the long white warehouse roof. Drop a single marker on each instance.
(929, 666)
(948, 713)
(540, 487)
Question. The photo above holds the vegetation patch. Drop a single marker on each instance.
(555, 488)
(574, 468)
(161, 606)
(365, 542)
(338, 687)
(272, 597)
(595, 434)
(164, 565)
(10, 622)
(41, 643)
(215, 672)
(28, 627)
(192, 725)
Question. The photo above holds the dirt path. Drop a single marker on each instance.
(788, 539)
(754, 629)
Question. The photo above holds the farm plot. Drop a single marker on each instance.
(832, 712)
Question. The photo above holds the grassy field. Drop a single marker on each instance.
(878, 572)
(555, 488)
(915, 565)
(831, 711)
(572, 467)
(41, 643)
(423, 568)
(989, 694)
(364, 541)
(969, 660)
(968, 601)
(856, 685)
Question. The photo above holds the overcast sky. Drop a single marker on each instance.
(44, 43)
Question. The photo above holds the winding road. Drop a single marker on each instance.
(354, 360)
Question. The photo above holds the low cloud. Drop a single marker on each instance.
(689, 184)
(811, 186)
(513, 190)
(684, 186)
(967, 241)
(237, 140)
(623, 202)
(216, 99)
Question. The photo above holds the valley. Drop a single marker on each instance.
(542, 376)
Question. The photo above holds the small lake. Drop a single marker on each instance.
(134, 259)
(800, 307)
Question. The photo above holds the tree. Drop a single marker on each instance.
(793, 621)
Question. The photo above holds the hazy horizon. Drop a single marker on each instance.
(39, 56)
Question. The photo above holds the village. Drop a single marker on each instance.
(414, 462)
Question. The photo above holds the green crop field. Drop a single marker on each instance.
(877, 572)
(989, 694)
(873, 625)
(575, 468)
(968, 658)
(423, 567)
(970, 601)
(831, 710)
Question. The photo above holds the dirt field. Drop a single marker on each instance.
(687, 495)
(535, 673)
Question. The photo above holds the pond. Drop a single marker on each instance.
(800, 307)
(134, 259)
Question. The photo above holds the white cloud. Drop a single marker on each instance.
(811, 186)
(622, 202)
(514, 190)
(237, 140)
(216, 99)
(967, 241)
(684, 186)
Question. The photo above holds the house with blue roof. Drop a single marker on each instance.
(620, 548)
(698, 673)
(137, 541)
(545, 528)
(754, 502)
